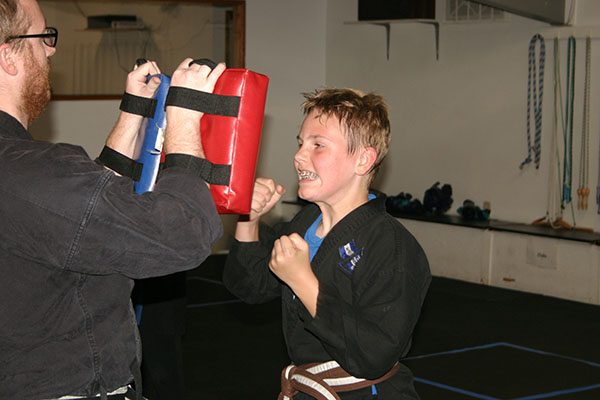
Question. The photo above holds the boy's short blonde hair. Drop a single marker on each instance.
(363, 118)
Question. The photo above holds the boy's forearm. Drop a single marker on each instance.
(308, 292)
(247, 231)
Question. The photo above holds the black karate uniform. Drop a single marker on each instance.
(373, 277)
(74, 236)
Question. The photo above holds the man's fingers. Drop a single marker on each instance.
(185, 63)
(216, 73)
(197, 77)
(154, 83)
(155, 68)
(204, 61)
(147, 68)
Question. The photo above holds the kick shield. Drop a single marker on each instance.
(230, 127)
(234, 140)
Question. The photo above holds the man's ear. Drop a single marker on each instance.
(366, 159)
(8, 59)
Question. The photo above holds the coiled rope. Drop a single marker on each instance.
(535, 92)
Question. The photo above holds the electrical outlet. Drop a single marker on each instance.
(541, 253)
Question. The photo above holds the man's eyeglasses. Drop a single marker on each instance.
(49, 37)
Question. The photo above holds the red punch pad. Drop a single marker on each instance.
(235, 141)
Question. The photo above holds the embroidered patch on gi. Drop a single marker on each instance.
(350, 256)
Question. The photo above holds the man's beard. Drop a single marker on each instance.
(36, 92)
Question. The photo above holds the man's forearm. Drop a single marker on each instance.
(124, 136)
(183, 132)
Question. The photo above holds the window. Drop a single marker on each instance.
(100, 41)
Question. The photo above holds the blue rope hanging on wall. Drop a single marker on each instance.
(568, 126)
(535, 92)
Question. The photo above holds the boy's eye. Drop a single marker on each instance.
(318, 145)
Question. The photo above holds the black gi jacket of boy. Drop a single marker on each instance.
(373, 277)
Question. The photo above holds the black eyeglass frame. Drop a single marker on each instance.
(53, 35)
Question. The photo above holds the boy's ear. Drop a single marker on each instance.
(367, 158)
(8, 59)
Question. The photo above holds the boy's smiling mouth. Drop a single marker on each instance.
(307, 175)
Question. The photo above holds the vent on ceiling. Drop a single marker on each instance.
(467, 11)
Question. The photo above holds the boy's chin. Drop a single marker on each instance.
(303, 195)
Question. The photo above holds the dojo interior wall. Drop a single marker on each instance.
(462, 119)
(459, 119)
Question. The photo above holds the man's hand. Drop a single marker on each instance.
(290, 261)
(138, 83)
(183, 125)
(124, 136)
(196, 76)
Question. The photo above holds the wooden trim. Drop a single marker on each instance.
(69, 97)
(228, 37)
(239, 33)
(217, 2)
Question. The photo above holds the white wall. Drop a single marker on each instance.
(461, 119)
(285, 41)
(554, 267)
(86, 123)
(458, 120)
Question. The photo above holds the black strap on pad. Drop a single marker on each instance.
(120, 163)
(143, 106)
(215, 174)
(208, 103)
(203, 61)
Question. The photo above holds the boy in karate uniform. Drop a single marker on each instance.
(352, 279)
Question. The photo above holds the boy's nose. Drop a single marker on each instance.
(299, 156)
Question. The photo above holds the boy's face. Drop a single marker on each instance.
(326, 171)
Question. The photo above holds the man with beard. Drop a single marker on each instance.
(74, 234)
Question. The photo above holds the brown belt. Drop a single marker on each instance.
(323, 380)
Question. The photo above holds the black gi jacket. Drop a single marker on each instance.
(367, 305)
(72, 237)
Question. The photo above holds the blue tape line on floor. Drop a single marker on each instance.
(487, 346)
(546, 353)
(441, 353)
(455, 389)
(558, 393)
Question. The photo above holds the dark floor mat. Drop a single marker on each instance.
(234, 350)
(505, 371)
